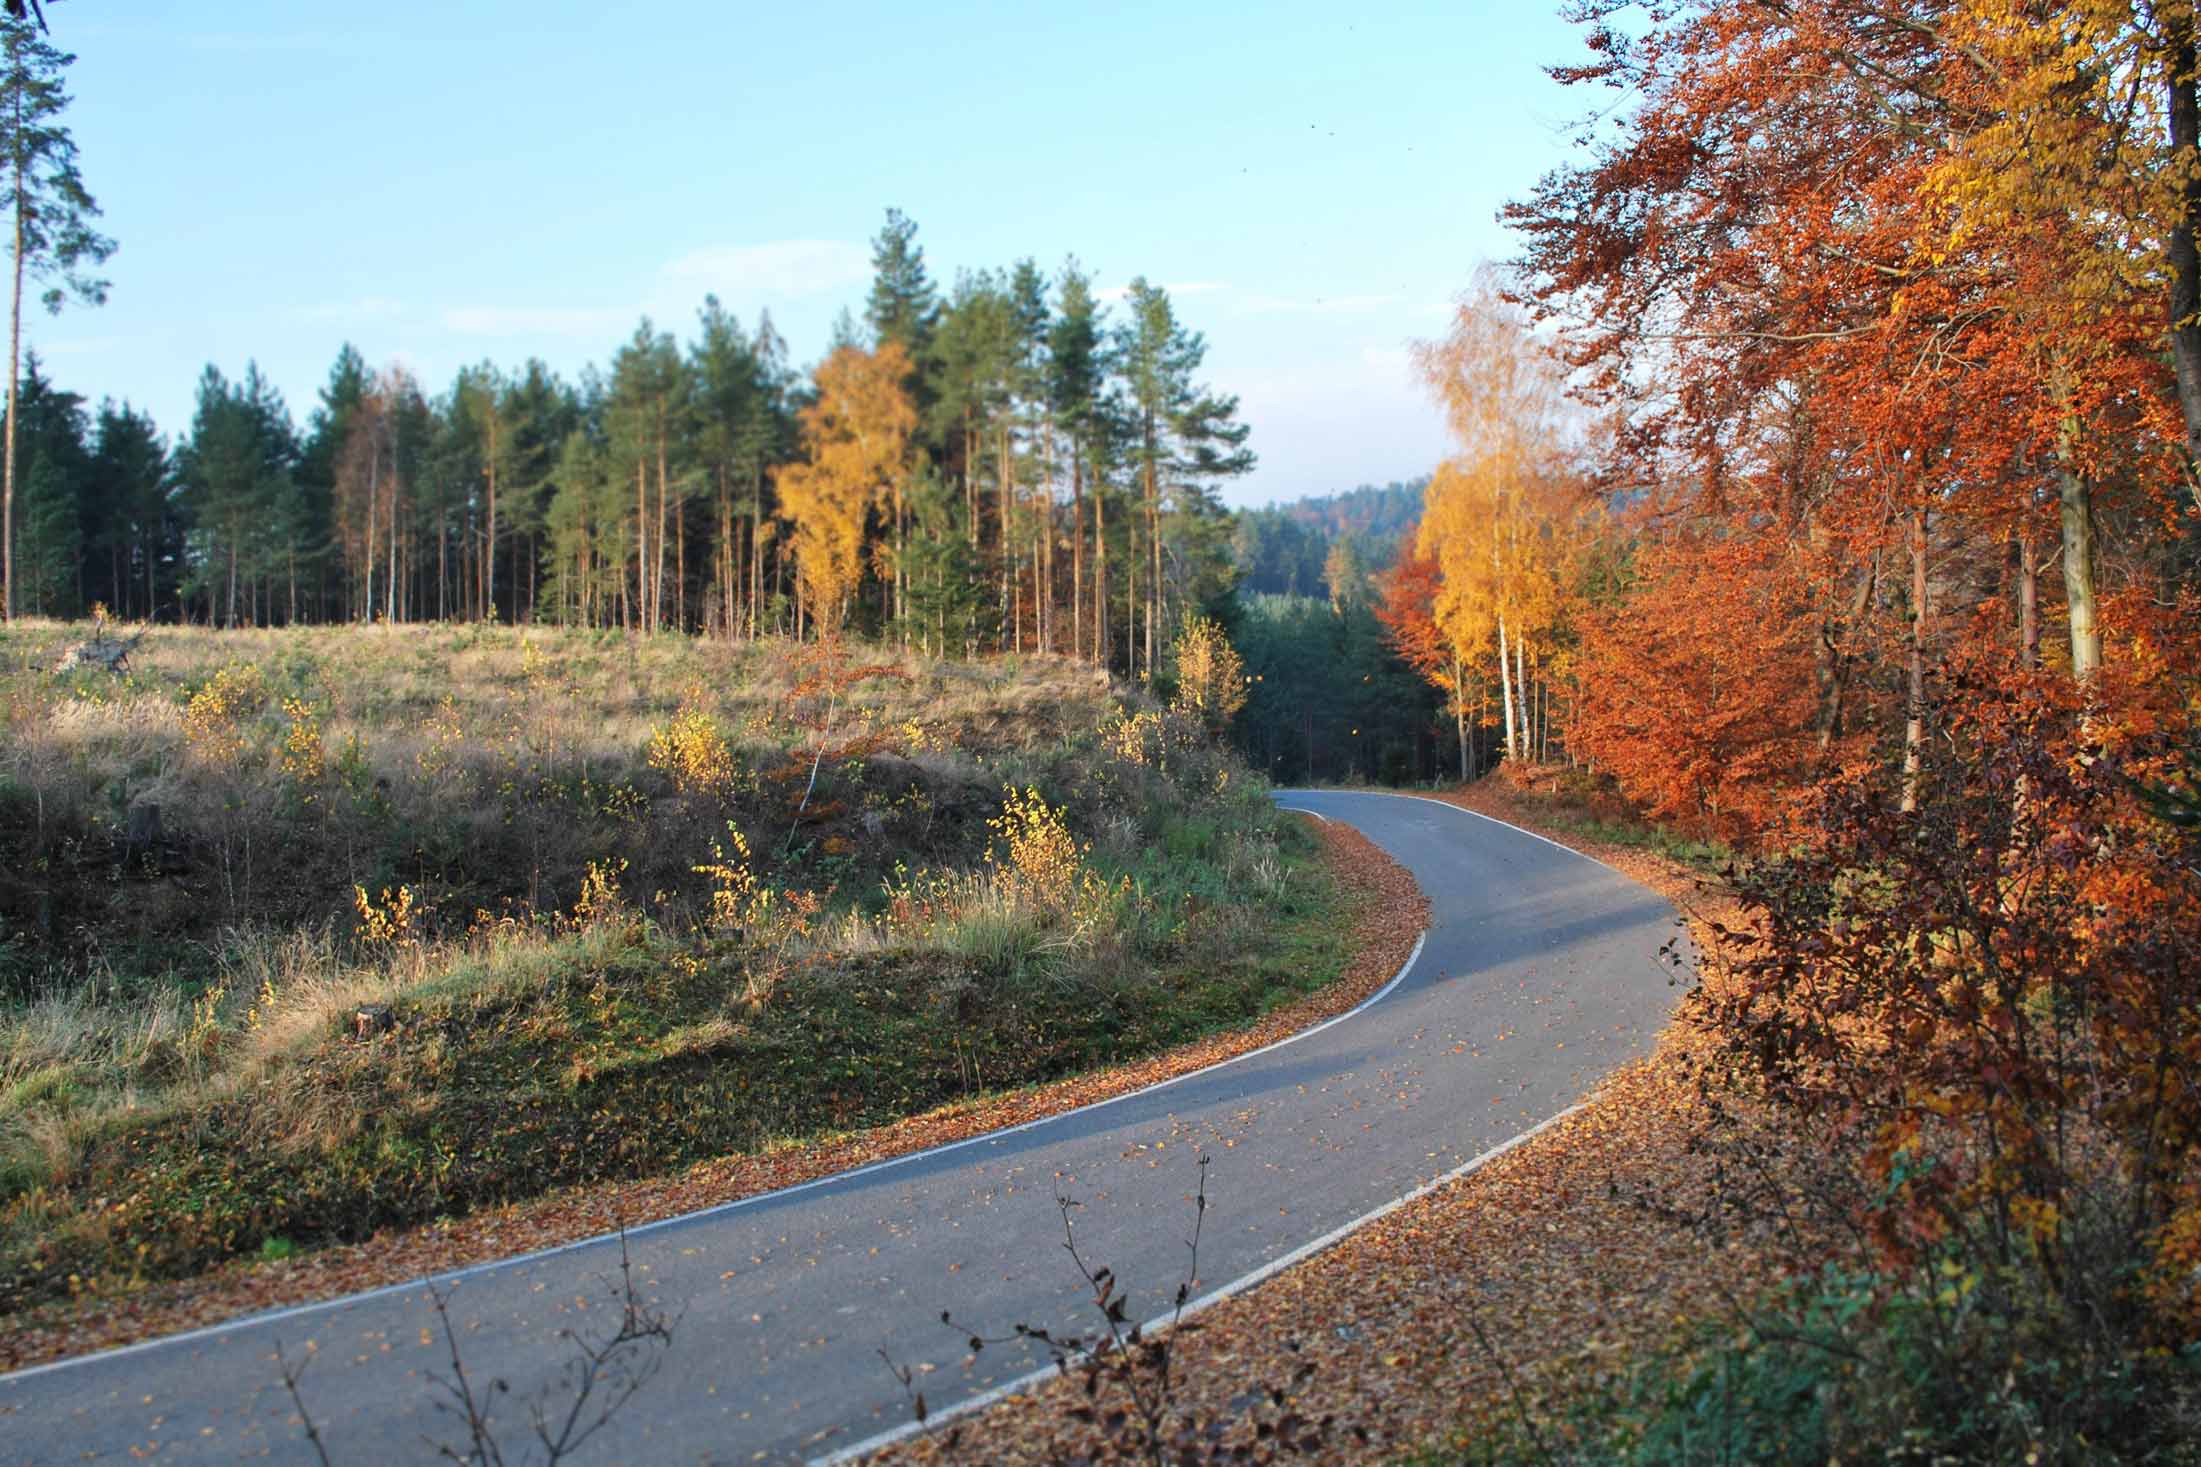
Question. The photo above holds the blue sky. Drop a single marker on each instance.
(440, 183)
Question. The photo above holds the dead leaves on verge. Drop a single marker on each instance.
(1533, 1279)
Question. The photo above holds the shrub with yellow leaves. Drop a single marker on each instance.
(391, 922)
(536, 669)
(692, 752)
(738, 899)
(214, 719)
(1042, 860)
(1135, 738)
(1211, 677)
(446, 735)
(765, 920)
(304, 759)
(599, 899)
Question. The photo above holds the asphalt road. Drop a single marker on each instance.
(1540, 972)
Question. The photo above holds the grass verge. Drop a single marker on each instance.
(1349, 938)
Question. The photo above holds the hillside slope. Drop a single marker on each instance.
(440, 919)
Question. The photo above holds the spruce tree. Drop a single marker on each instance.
(55, 468)
(54, 242)
(131, 470)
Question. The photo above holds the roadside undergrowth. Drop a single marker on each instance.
(1650, 1280)
(1104, 887)
(595, 911)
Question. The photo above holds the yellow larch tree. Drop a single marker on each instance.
(856, 440)
(1501, 517)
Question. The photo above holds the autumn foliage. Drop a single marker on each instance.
(856, 440)
(1832, 449)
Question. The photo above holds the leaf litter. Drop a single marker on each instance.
(1529, 1282)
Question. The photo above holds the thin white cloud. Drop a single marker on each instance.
(1173, 287)
(587, 321)
(1334, 305)
(784, 267)
(366, 308)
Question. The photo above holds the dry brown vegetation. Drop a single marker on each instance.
(438, 918)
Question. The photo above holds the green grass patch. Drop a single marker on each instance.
(520, 1063)
(1850, 1367)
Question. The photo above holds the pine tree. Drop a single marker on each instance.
(1075, 373)
(315, 474)
(54, 242)
(902, 305)
(1183, 439)
(1029, 422)
(50, 540)
(649, 408)
(481, 396)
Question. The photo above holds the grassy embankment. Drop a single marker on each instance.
(441, 918)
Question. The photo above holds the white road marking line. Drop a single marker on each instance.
(1161, 1322)
(457, 1275)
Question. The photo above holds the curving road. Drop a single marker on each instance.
(1540, 972)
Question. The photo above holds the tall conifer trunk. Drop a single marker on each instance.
(1008, 554)
(15, 357)
(657, 563)
(489, 541)
(2185, 256)
(1100, 577)
(1077, 550)
(390, 590)
(1154, 551)
(642, 535)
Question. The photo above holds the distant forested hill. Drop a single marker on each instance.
(1280, 550)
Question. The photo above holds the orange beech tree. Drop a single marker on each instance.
(1760, 269)
(1875, 293)
(1406, 604)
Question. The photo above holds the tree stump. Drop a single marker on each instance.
(141, 834)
